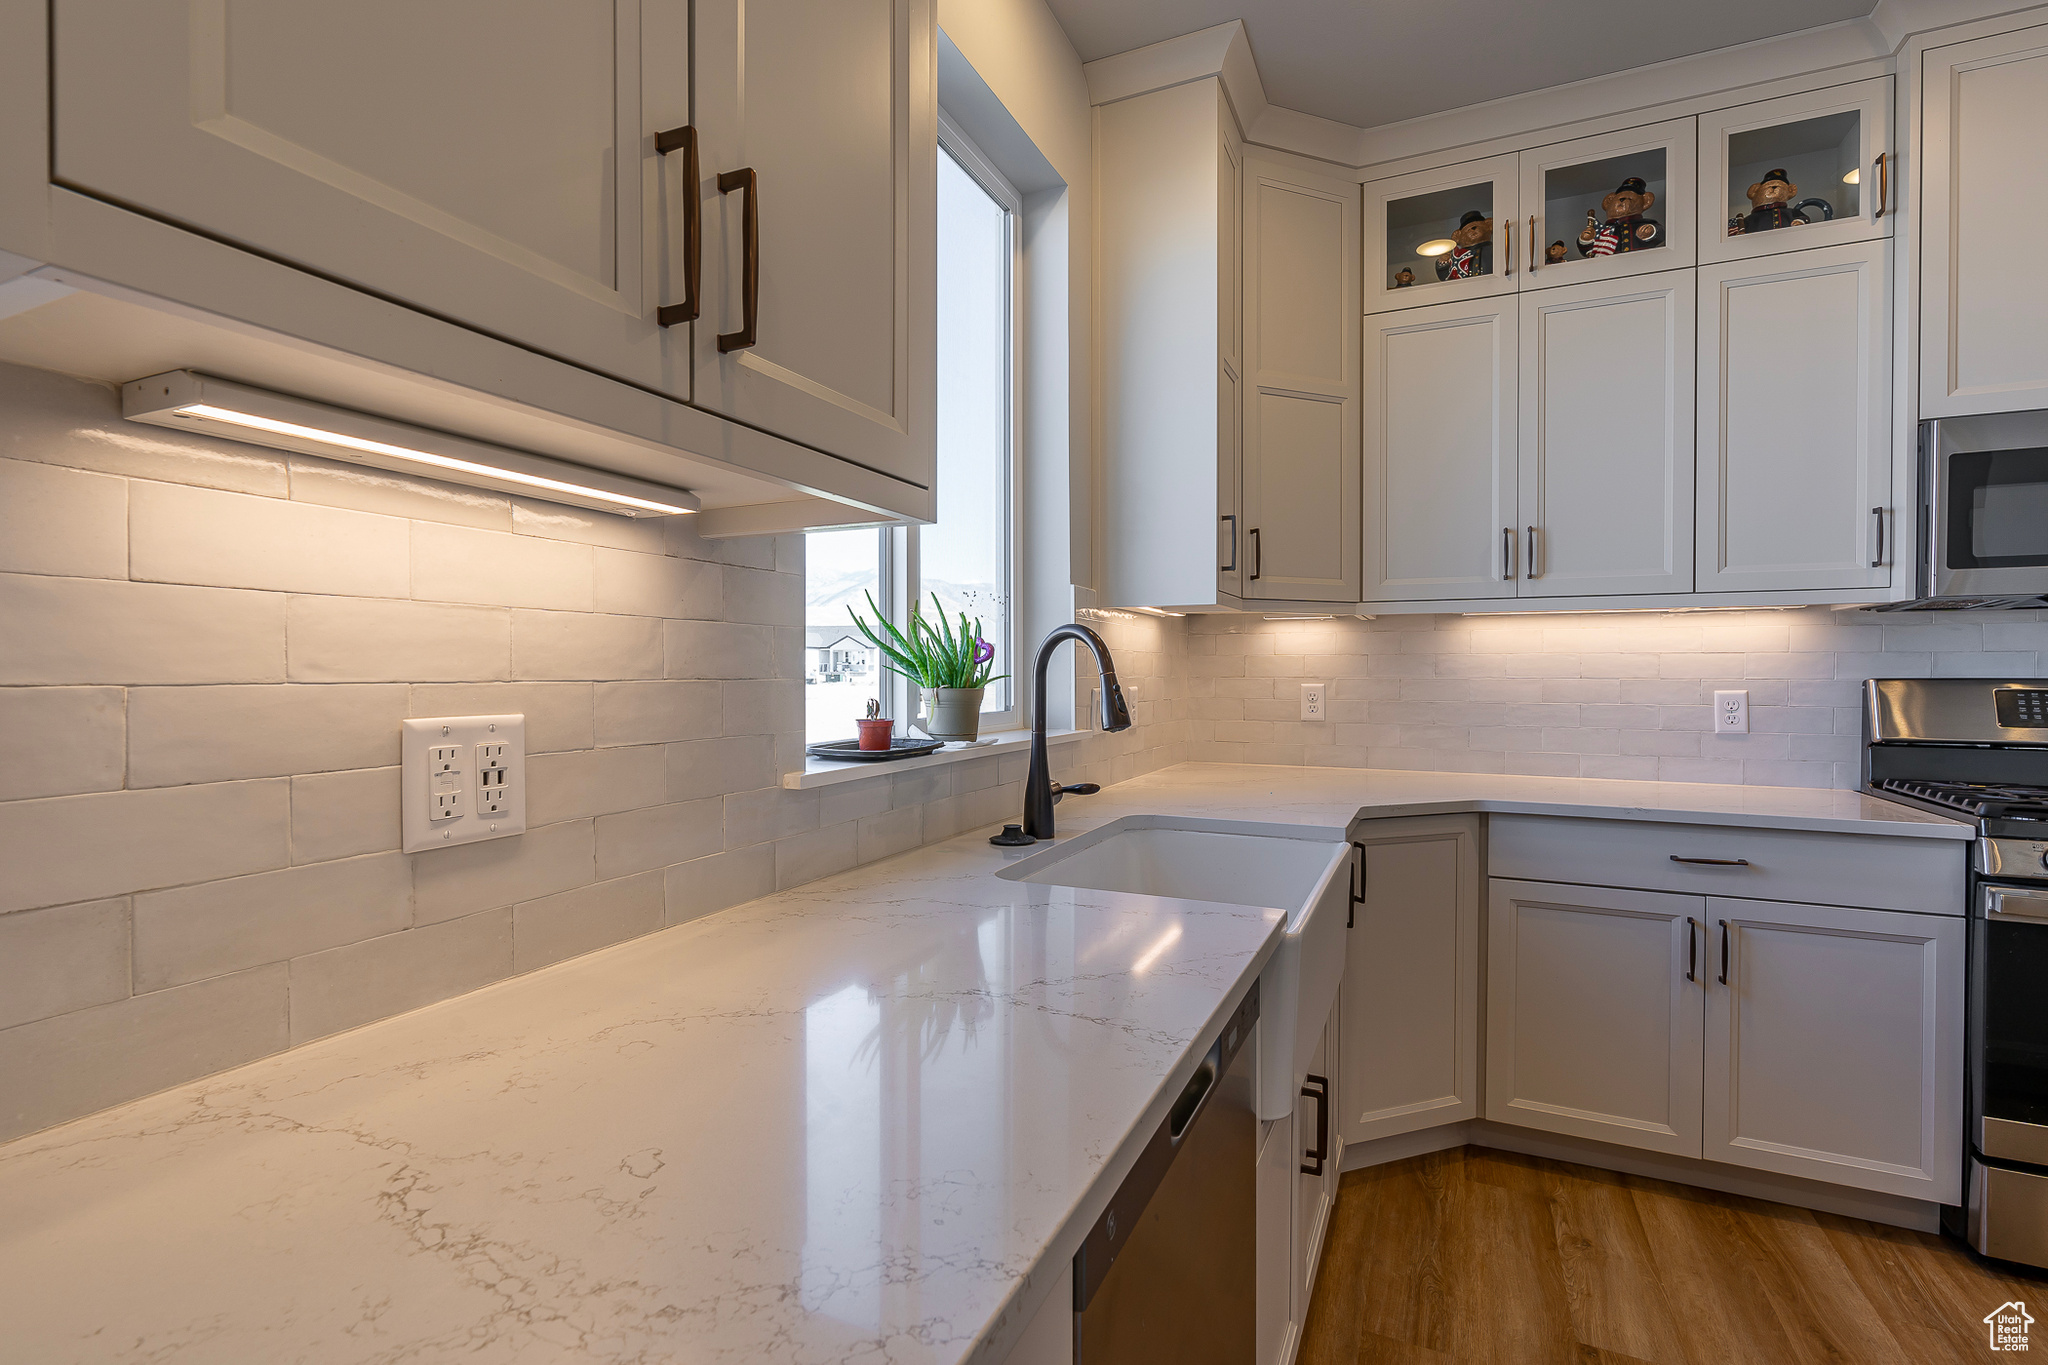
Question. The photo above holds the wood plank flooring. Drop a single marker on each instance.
(1472, 1257)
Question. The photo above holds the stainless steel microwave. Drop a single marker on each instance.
(1984, 511)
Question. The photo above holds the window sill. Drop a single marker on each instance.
(825, 772)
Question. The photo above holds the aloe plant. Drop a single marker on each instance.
(931, 655)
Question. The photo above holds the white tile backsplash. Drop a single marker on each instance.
(198, 803)
(1623, 695)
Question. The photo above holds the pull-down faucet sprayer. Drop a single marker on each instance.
(1040, 791)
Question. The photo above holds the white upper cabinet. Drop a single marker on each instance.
(1440, 426)
(1606, 447)
(1617, 203)
(1984, 182)
(818, 126)
(1834, 1049)
(1452, 231)
(1790, 174)
(1794, 421)
(1593, 1013)
(491, 163)
(1301, 475)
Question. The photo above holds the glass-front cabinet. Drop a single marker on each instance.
(1808, 170)
(1614, 204)
(1441, 235)
(1593, 208)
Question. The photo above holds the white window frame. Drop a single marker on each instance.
(899, 563)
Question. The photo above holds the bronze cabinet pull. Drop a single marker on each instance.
(1724, 952)
(1258, 556)
(1883, 167)
(1712, 862)
(1692, 948)
(1508, 226)
(1532, 552)
(684, 139)
(1318, 1089)
(1877, 556)
(1507, 554)
(1532, 244)
(1231, 567)
(750, 259)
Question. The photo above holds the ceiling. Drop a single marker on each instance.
(1369, 62)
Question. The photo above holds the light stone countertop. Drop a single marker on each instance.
(869, 1118)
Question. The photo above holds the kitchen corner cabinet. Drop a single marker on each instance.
(497, 167)
(1411, 973)
(1300, 500)
(1983, 172)
(1168, 254)
(1227, 306)
(1593, 1013)
(1830, 1050)
(1794, 460)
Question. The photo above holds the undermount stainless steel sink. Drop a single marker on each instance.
(1302, 871)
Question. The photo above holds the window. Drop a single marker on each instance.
(968, 556)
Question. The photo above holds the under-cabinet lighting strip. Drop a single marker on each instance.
(336, 438)
(195, 402)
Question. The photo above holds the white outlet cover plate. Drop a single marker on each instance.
(1315, 701)
(1731, 712)
(418, 780)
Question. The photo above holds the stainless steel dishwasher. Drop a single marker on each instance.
(1166, 1274)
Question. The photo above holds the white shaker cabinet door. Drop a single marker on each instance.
(1834, 1049)
(1440, 428)
(818, 319)
(1984, 165)
(490, 163)
(1794, 422)
(1411, 974)
(1606, 449)
(1300, 505)
(1592, 1025)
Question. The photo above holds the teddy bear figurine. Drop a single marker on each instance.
(1473, 252)
(1404, 278)
(1626, 229)
(1770, 206)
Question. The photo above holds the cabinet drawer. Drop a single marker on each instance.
(1924, 875)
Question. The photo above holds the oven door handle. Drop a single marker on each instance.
(2012, 904)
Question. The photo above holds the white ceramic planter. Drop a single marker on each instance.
(952, 713)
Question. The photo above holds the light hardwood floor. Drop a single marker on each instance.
(1476, 1256)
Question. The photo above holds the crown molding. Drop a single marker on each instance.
(1844, 51)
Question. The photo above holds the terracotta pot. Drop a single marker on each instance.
(875, 734)
(952, 713)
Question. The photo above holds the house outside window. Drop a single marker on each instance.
(968, 557)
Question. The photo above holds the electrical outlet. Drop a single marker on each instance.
(1731, 712)
(462, 778)
(1314, 701)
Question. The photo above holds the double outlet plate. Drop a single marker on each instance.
(464, 779)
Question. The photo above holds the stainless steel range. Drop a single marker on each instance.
(1977, 749)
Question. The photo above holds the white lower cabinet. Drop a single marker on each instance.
(1592, 1025)
(1809, 1040)
(1832, 1051)
(1411, 973)
(1300, 1157)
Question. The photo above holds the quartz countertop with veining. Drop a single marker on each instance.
(865, 1119)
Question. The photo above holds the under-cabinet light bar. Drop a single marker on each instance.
(219, 407)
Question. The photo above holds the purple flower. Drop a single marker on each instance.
(983, 651)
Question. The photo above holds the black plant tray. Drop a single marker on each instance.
(898, 748)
